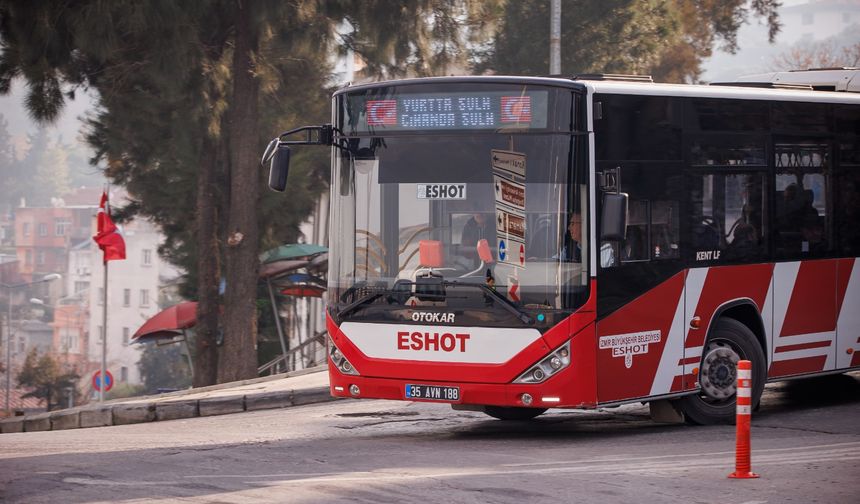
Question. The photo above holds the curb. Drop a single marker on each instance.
(171, 407)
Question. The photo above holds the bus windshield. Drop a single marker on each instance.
(485, 203)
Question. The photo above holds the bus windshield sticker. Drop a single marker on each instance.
(509, 163)
(628, 345)
(509, 193)
(442, 191)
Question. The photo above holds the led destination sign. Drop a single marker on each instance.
(461, 111)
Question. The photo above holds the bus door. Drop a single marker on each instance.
(640, 283)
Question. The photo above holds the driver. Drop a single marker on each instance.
(571, 251)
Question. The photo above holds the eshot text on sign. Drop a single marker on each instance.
(442, 191)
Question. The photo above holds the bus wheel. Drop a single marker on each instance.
(513, 413)
(728, 342)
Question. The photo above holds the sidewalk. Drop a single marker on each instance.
(280, 391)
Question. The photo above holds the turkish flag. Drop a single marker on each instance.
(107, 236)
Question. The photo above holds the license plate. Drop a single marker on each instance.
(432, 392)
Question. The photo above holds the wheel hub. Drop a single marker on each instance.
(719, 370)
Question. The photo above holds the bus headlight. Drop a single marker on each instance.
(557, 360)
(339, 361)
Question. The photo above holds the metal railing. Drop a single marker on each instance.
(281, 363)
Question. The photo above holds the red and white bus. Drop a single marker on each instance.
(512, 244)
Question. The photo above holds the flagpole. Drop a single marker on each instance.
(103, 375)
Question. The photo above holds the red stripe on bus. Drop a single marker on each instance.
(797, 366)
(725, 283)
(689, 360)
(812, 307)
(803, 346)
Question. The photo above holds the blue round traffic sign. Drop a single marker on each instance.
(503, 250)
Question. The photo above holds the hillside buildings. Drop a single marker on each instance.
(65, 317)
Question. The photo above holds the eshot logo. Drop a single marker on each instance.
(628, 345)
(442, 191)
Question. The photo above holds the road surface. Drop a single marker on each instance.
(806, 446)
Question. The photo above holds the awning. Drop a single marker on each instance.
(292, 251)
(168, 323)
(301, 285)
(280, 267)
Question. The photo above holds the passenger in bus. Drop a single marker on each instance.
(744, 242)
(571, 251)
(812, 234)
(794, 207)
(478, 227)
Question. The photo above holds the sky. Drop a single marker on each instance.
(829, 17)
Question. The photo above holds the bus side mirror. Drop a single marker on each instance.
(279, 168)
(614, 217)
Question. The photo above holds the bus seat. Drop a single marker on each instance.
(705, 235)
(430, 253)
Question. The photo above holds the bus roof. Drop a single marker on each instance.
(743, 89)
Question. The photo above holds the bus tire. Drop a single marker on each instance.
(728, 342)
(513, 413)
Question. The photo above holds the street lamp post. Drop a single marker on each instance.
(9, 288)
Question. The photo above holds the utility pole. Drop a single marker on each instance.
(555, 38)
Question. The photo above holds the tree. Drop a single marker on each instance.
(180, 87)
(825, 54)
(664, 38)
(46, 378)
(9, 176)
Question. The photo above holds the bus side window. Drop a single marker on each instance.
(802, 220)
(848, 210)
(636, 247)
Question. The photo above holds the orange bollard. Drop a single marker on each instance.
(742, 425)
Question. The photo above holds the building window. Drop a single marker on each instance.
(60, 227)
(126, 297)
(125, 335)
(28, 257)
(144, 297)
(69, 340)
(43, 229)
(101, 331)
(147, 257)
(101, 299)
(81, 286)
(25, 229)
(123, 374)
(40, 257)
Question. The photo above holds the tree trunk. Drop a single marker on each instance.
(238, 355)
(208, 268)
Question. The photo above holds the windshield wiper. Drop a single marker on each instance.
(367, 299)
(507, 305)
